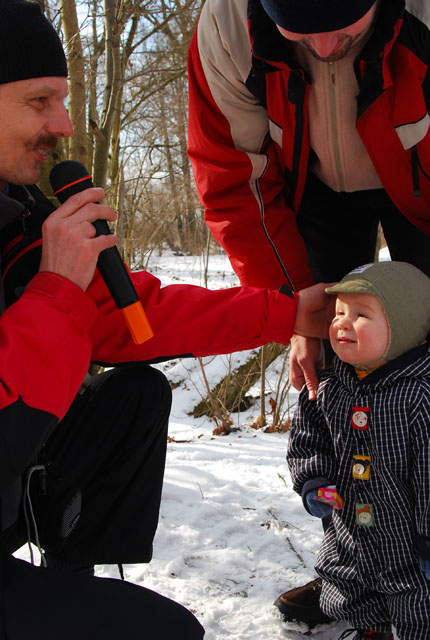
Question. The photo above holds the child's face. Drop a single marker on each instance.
(359, 332)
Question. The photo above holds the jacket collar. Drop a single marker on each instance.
(10, 210)
(413, 363)
(387, 24)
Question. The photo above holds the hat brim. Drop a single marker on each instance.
(351, 286)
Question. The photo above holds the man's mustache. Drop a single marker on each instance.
(45, 142)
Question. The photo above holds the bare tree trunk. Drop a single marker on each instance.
(112, 88)
(78, 149)
(263, 385)
(189, 215)
(164, 116)
(230, 392)
(92, 89)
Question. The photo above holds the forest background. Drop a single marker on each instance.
(128, 105)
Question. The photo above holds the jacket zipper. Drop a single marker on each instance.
(415, 173)
(333, 119)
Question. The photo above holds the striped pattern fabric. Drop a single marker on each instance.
(371, 438)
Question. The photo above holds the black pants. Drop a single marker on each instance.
(98, 503)
(340, 231)
(41, 604)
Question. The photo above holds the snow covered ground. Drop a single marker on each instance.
(232, 534)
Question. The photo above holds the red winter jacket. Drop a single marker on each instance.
(249, 138)
(51, 331)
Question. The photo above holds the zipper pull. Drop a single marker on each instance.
(28, 203)
(24, 217)
(415, 174)
(332, 73)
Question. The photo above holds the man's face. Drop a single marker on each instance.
(333, 45)
(32, 119)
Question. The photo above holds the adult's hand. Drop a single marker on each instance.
(315, 311)
(70, 246)
(306, 358)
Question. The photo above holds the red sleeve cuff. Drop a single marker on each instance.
(66, 295)
(282, 318)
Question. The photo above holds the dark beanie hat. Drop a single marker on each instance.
(30, 47)
(316, 16)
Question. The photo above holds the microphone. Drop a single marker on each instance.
(70, 177)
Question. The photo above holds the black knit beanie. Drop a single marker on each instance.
(29, 45)
(316, 16)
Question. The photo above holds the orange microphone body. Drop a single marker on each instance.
(67, 178)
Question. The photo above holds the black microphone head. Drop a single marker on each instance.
(69, 177)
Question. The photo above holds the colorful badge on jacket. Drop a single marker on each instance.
(361, 467)
(360, 418)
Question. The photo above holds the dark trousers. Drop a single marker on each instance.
(340, 231)
(109, 450)
(98, 503)
(40, 604)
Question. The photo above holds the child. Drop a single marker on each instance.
(362, 449)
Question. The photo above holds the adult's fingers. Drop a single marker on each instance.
(304, 373)
(296, 375)
(79, 200)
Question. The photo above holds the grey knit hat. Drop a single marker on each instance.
(29, 45)
(404, 292)
(316, 16)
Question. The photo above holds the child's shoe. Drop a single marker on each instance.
(302, 605)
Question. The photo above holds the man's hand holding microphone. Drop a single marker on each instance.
(77, 238)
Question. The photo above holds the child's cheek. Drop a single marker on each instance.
(332, 333)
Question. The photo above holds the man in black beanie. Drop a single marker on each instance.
(82, 457)
(52, 487)
(308, 126)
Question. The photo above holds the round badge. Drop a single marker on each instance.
(364, 517)
(359, 418)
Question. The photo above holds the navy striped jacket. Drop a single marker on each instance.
(370, 438)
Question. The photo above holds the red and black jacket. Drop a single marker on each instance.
(248, 128)
(51, 330)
